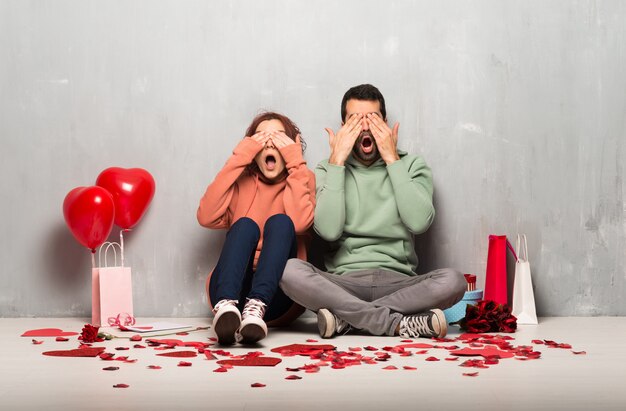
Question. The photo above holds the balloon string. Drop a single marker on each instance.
(93, 258)
(122, 245)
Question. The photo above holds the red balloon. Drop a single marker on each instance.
(132, 190)
(89, 213)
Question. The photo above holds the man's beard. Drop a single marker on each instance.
(364, 143)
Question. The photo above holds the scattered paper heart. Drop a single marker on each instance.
(48, 332)
(79, 352)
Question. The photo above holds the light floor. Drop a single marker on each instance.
(559, 380)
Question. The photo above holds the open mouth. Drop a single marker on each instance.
(270, 162)
(367, 144)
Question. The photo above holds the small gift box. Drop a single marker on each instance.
(471, 296)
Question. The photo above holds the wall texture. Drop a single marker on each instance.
(519, 108)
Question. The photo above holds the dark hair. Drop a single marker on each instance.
(291, 129)
(363, 92)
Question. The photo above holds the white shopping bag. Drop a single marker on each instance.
(523, 295)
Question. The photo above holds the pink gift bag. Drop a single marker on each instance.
(111, 288)
(496, 276)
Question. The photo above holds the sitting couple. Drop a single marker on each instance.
(369, 201)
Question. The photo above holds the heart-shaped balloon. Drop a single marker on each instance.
(89, 213)
(132, 190)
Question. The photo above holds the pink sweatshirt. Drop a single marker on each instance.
(236, 193)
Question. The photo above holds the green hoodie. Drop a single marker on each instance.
(369, 214)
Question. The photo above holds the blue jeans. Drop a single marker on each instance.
(234, 277)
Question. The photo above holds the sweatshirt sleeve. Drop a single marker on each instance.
(412, 184)
(213, 210)
(330, 211)
(299, 196)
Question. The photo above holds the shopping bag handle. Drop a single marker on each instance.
(508, 244)
(524, 248)
(108, 245)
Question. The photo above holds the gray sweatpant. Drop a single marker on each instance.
(372, 300)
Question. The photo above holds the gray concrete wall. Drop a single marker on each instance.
(518, 107)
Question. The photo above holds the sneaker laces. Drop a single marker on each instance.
(222, 303)
(341, 326)
(416, 326)
(254, 307)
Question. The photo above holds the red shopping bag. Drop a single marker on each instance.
(496, 276)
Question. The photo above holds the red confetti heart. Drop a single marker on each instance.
(252, 362)
(311, 340)
(390, 367)
(220, 369)
(61, 339)
(415, 345)
(154, 367)
(370, 348)
(537, 342)
(488, 351)
(107, 356)
(48, 332)
(179, 354)
(257, 385)
(136, 337)
(302, 349)
(470, 374)
(406, 367)
(79, 352)
(209, 355)
(293, 377)
(37, 342)
(139, 346)
(579, 352)
(121, 348)
(452, 359)
(111, 368)
(170, 342)
(182, 333)
(184, 364)
(121, 386)
(355, 349)
(432, 359)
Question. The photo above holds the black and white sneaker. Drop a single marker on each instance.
(226, 321)
(330, 325)
(253, 328)
(429, 324)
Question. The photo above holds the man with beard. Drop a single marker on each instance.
(371, 199)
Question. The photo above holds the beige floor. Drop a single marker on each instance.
(559, 380)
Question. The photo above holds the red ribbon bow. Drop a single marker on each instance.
(122, 319)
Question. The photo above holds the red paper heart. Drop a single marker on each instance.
(252, 362)
(78, 352)
(487, 351)
(182, 354)
(415, 345)
(48, 332)
(302, 349)
(132, 190)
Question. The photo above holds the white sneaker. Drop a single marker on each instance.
(253, 328)
(429, 324)
(226, 321)
(329, 324)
